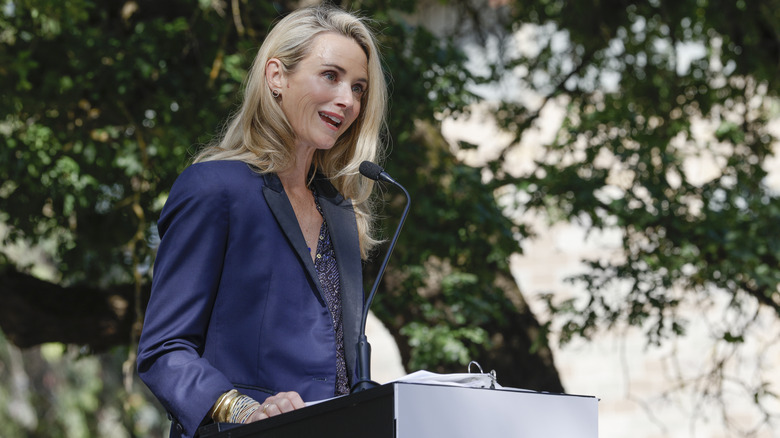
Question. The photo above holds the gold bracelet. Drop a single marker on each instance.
(217, 403)
(230, 400)
(230, 406)
(218, 411)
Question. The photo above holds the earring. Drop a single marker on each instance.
(276, 93)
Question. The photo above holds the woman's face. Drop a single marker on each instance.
(321, 97)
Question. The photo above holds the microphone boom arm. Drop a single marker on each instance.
(363, 347)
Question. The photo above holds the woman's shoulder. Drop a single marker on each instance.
(212, 180)
(221, 169)
(219, 174)
(208, 185)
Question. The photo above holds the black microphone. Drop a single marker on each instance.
(376, 173)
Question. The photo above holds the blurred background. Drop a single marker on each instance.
(594, 186)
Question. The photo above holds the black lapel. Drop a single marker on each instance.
(285, 216)
(342, 226)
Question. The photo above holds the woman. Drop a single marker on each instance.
(257, 289)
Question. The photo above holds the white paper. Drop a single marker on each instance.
(466, 380)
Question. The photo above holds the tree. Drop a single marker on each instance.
(650, 89)
(103, 104)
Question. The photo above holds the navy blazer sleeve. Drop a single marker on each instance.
(193, 227)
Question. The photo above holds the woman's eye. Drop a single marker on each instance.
(329, 75)
(357, 89)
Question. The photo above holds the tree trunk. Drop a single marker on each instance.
(36, 311)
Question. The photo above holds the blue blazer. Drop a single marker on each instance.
(236, 302)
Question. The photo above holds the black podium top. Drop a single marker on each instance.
(366, 413)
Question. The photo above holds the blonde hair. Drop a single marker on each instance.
(260, 134)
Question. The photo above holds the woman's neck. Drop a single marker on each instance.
(296, 177)
(295, 180)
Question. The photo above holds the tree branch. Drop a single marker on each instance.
(36, 311)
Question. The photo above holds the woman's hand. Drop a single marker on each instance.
(277, 404)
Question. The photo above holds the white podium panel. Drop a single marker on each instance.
(433, 411)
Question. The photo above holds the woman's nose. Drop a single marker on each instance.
(345, 98)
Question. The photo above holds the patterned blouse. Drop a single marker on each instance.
(328, 273)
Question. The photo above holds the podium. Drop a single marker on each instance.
(410, 410)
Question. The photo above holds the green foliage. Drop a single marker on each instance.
(665, 141)
(102, 104)
(637, 80)
(434, 345)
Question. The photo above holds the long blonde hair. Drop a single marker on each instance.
(260, 134)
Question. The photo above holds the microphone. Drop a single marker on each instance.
(376, 173)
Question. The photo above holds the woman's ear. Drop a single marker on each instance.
(274, 74)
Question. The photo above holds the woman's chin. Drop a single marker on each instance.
(326, 145)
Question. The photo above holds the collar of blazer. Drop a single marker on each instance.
(342, 226)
